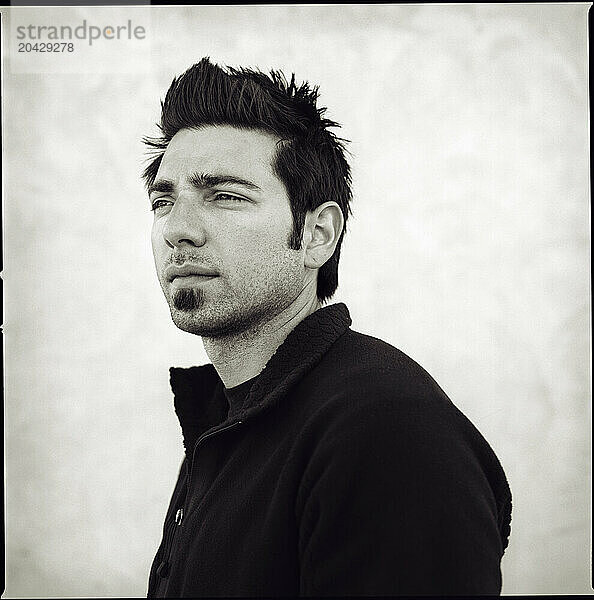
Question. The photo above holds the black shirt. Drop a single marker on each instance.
(237, 395)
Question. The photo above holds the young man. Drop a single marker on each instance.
(318, 461)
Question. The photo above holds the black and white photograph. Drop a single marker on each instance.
(297, 300)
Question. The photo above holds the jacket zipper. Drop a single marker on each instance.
(200, 440)
(177, 520)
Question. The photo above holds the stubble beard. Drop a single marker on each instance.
(192, 311)
(185, 311)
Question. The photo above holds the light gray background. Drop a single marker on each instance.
(468, 250)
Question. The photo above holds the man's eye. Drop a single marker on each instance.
(229, 198)
(160, 203)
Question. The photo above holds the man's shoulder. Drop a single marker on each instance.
(370, 368)
(365, 385)
(378, 401)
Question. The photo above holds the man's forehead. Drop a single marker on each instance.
(242, 152)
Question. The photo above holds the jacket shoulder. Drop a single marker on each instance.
(394, 470)
(362, 363)
(364, 376)
(373, 395)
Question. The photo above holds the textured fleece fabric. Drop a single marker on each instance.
(346, 470)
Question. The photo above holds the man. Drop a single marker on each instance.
(318, 461)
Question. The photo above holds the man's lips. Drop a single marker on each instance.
(188, 270)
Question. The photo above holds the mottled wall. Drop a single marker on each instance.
(468, 249)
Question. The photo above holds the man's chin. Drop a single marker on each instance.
(187, 322)
(211, 322)
(197, 323)
(187, 299)
(185, 305)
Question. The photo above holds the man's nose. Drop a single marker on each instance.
(184, 225)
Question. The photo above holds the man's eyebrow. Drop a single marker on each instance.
(208, 180)
(162, 185)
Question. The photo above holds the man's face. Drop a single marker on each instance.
(220, 234)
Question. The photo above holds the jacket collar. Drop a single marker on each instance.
(198, 405)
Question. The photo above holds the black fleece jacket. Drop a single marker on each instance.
(346, 471)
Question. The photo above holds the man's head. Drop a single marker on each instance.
(244, 125)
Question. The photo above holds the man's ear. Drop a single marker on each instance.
(322, 230)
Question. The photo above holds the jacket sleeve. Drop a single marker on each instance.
(396, 499)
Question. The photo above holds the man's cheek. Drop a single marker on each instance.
(154, 243)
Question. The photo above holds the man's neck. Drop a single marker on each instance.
(240, 357)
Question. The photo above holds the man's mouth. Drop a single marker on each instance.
(189, 272)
